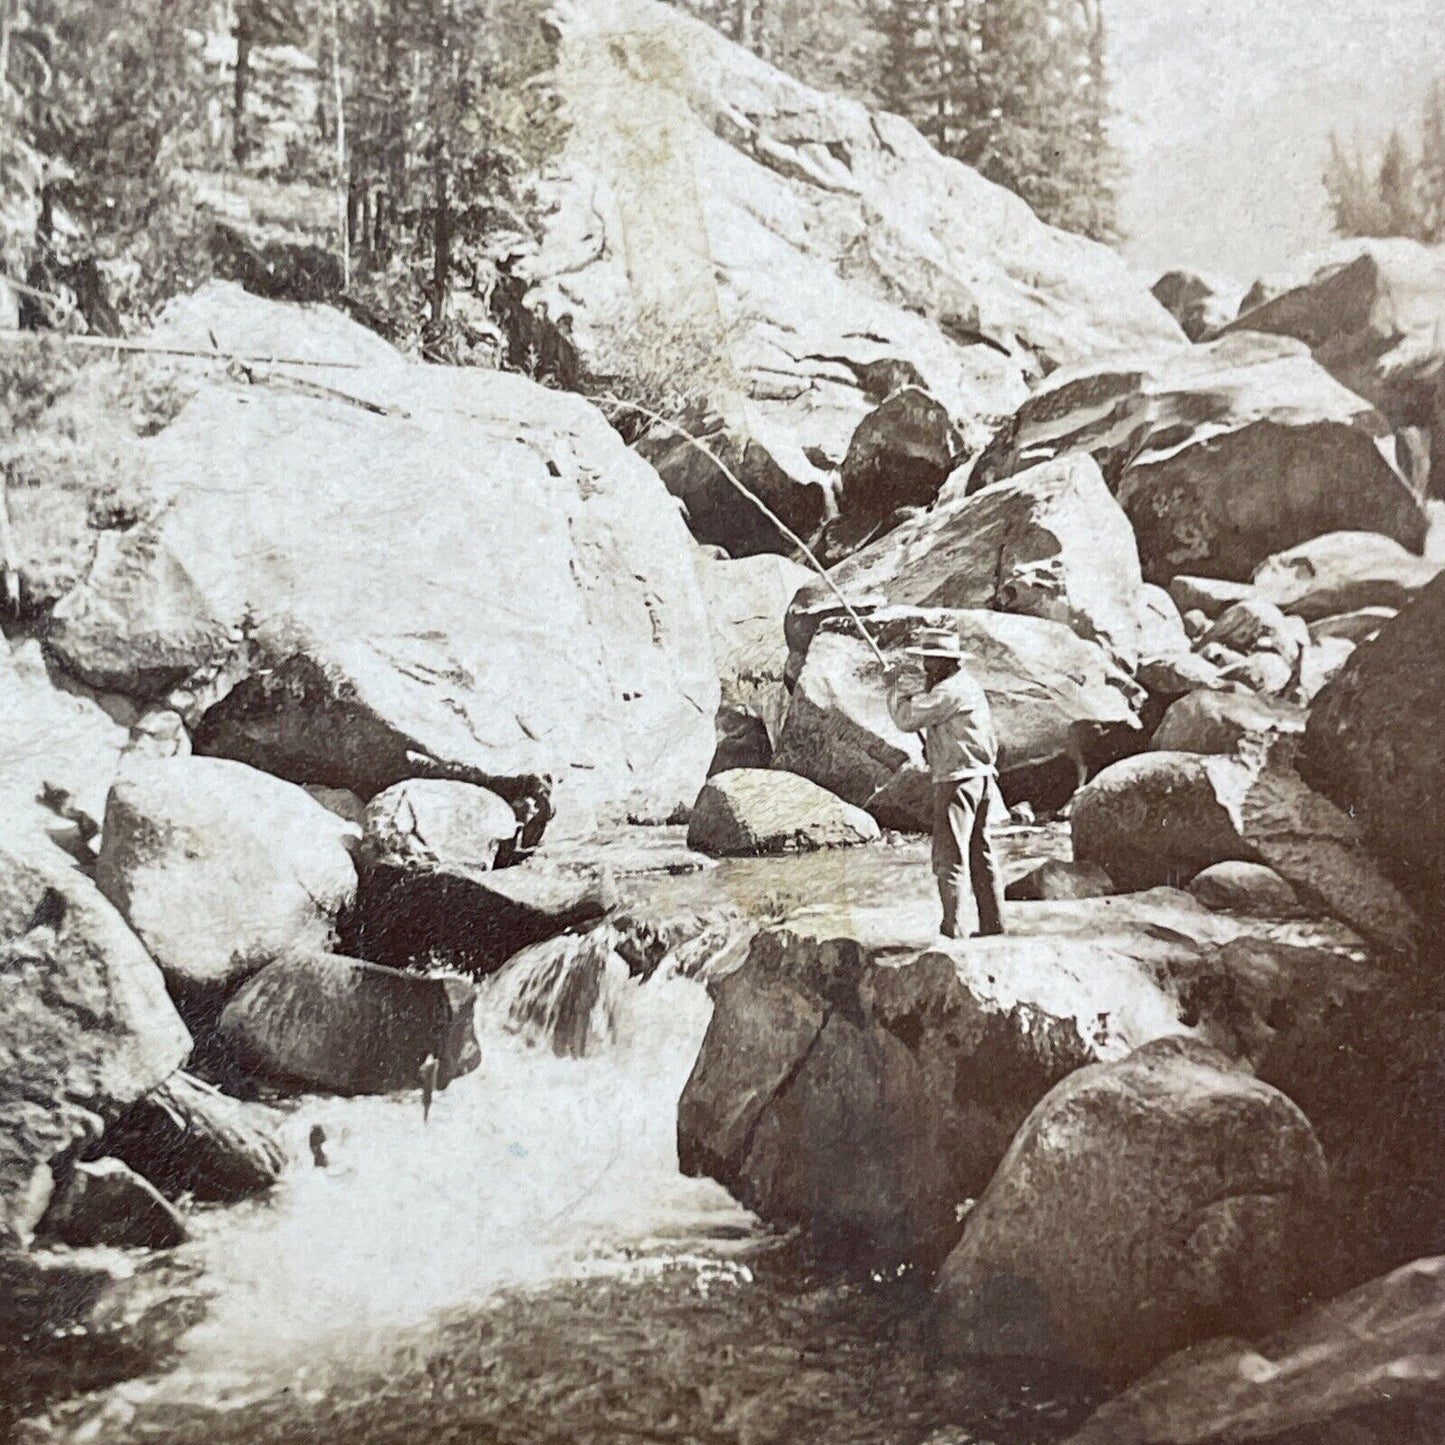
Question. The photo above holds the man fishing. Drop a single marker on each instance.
(944, 702)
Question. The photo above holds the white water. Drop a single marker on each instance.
(532, 1169)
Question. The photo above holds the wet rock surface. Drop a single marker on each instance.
(107, 1202)
(320, 1021)
(187, 1137)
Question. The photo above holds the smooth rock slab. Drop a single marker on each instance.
(1145, 1205)
(750, 811)
(320, 1021)
(793, 255)
(863, 1083)
(376, 648)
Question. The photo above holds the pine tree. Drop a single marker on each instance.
(1015, 88)
(1403, 193)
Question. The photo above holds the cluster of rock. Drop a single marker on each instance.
(272, 802)
(294, 696)
(1196, 582)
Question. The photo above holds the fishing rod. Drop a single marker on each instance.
(736, 482)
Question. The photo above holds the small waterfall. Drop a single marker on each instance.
(557, 1158)
(580, 994)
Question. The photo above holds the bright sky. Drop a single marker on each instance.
(1226, 107)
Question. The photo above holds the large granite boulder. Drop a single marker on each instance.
(1163, 817)
(746, 601)
(1053, 698)
(862, 1078)
(1363, 1369)
(320, 1021)
(899, 458)
(1220, 722)
(1049, 543)
(541, 616)
(718, 229)
(425, 822)
(1371, 312)
(1145, 1205)
(749, 811)
(1341, 572)
(1221, 455)
(1375, 744)
(220, 868)
(59, 749)
(86, 1027)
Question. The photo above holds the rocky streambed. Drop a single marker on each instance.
(528, 1262)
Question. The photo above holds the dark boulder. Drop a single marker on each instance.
(107, 1202)
(1364, 1369)
(1375, 744)
(187, 1137)
(469, 920)
(319, 1021)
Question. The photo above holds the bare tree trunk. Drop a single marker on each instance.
(744, 24)
(239, 144)
(442, 238)
(343, 199)
(5, 9)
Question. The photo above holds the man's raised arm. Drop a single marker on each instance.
(912, 711)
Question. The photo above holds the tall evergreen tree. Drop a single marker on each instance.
(1401, 194)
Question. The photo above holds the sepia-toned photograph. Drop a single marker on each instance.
(722, 722)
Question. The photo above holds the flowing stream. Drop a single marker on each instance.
(529, 1265)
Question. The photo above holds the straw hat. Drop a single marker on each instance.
(936, 642)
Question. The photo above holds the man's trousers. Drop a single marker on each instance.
(964, 862)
